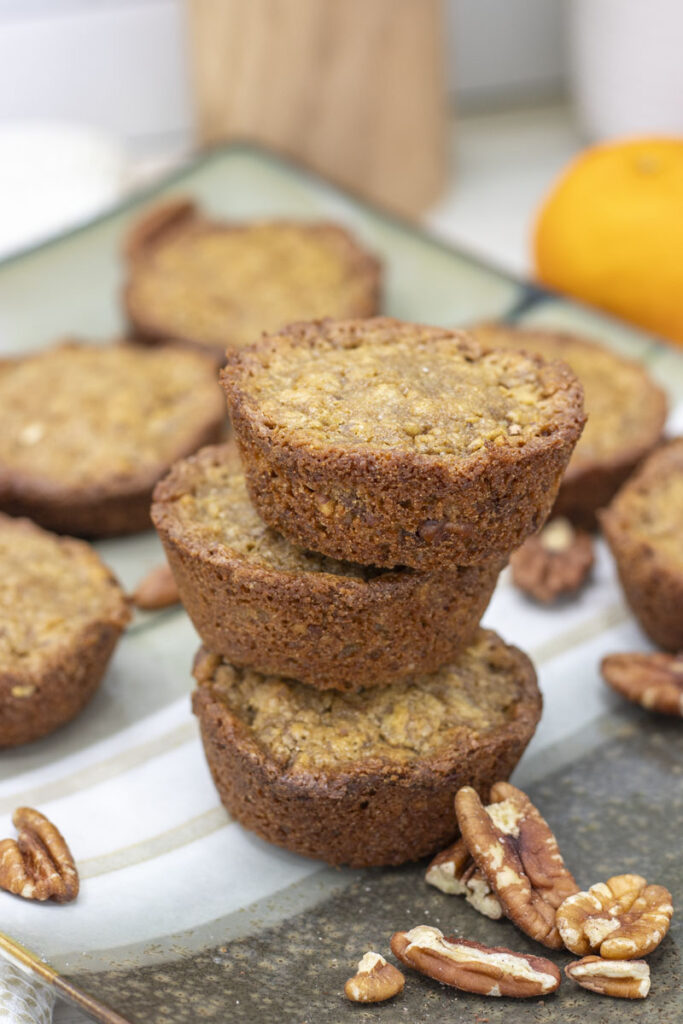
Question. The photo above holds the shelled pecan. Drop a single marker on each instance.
(38, 864)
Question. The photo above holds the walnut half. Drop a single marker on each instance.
(471, 967)
(620, 919)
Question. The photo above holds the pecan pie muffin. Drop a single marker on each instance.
(215, 284)
(626, 412)
(389, 443)
(644, 529)
(261, 602)
(61, 614)
(364, 778)
(87, 430)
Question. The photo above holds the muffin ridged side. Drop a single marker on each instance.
(651, 578)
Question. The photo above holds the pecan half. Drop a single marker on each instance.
(515, 850)
(623, 979)
(554, 563)
(157, 590)
(655, 681)
(488, 970)
(375, 981)
(38, 865)
(148, 228)
(454, 872)
(620, 919)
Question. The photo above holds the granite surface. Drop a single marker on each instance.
(616, 810)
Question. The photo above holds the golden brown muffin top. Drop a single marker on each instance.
(51, 589)
(304, 729)
(204, 501)
(224, 284)
(626, 410)
(385, 385)
(78, 415)
(650, 506)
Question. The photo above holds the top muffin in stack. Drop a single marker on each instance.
(395, 466)
(395, 444)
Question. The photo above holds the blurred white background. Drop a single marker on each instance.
(122, 64)
(120, 68)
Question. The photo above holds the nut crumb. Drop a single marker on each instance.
(375, 981)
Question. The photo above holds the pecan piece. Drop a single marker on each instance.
(620, 919)
(623, 979)
(454, 872)
(38, 865)
(157, 590)
(471, 967)
(375, 980)
(554, 563)
(655, 681)
(515, 850)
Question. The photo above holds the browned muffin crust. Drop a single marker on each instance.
(87, 430)
(261, 602)
(644, 529)
(215, 284)
(626, 413)
(62, 612)
(387, 443)
(364, 778)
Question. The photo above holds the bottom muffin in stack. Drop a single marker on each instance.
(365, 778)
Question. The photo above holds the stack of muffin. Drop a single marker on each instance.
(336, 561)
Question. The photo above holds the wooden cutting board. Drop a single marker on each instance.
(353, 88)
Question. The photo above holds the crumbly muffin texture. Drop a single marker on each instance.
(626, 410)
(305, 730)
(395, 444)
(405, 387)
(217, 512)
(51, 588)
(79, 415)
(223, 284)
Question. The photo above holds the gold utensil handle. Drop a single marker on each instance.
(28, 961)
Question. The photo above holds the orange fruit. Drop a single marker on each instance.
(611, 232)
